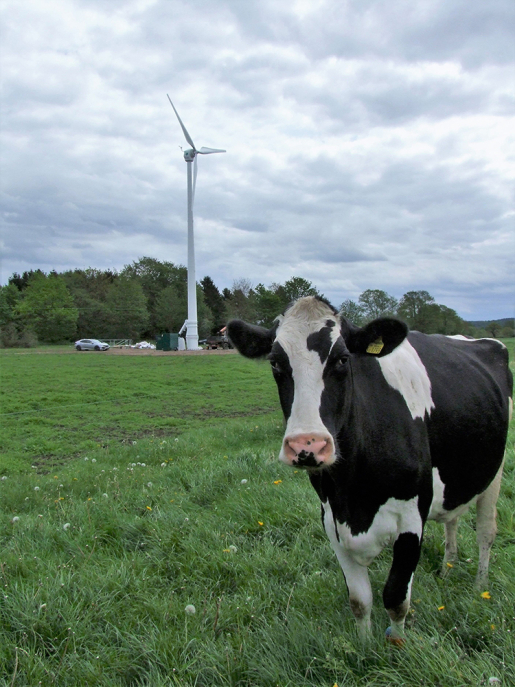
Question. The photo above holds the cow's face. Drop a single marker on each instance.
(310, 353)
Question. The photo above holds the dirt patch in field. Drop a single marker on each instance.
(124, 350)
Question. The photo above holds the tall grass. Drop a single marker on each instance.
(101, 556)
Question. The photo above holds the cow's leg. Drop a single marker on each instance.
(356, 577)
(397, 591)
(486, 527)
(360, 591)
(451, 544)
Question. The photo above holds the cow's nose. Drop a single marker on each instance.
(308, 449)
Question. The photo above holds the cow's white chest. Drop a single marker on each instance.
(392, 518)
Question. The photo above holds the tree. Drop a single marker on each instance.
(126, 306)
(47, 307)
(9, 298)
(493, 328)
(298, 287)
(154, 276)
(376, 303)
(413, 309)
(89, 289)
(353, 312)
(215, 302)
(268, 303)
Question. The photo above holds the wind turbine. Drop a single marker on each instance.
(190, 155)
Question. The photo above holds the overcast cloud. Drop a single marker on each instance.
(370, 143)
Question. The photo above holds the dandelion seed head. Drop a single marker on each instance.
(16, 519)
(244, 481)
(66, 526)
(36, 488)
(93, 460)
(190, 609)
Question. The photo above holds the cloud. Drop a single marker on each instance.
(369, 144)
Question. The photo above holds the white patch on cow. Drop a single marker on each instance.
(404, 371)
(392, 518)
(306, 317)
(466, 338)
(437, 511)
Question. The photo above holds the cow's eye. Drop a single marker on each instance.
(341, 363)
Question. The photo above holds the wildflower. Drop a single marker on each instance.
(143, 465)
(485, 595)
(105, 496)
(278, 481)
(149, 508)
(149, 485)
(163, 465)
(66, 526)
(93, 460)
(231, 549)
(492, 627)
(4, 478)
(440, 608)
(134, 443)
(86, 458)
(260, 523)
(42, 607)
(493, 681)
(450, 565)
(190, 609)
(244, 481)
(36, 488)
(15, 519)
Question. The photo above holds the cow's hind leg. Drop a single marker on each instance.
(451, 544)
(486, 527)
(397, 591)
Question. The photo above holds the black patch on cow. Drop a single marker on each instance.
(406, 552)
(321, 342)
(283, 375)
(391, 331)
(249, 339)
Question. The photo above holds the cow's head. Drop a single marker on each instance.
(310, 350)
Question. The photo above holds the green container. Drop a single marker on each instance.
(167, 342)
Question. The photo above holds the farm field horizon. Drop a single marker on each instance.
(138, 487)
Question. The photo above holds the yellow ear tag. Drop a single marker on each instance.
(376, 346)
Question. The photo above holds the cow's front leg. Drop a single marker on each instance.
(356, 576)
(397, 591)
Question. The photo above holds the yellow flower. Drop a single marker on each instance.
(440, 608)
(485, 595)
(149, 508)
(260, 523)
(492, 627)
(278, 481)
(450, 565)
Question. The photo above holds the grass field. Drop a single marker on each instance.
(156, 488)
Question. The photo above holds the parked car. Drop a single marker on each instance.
(91, 345)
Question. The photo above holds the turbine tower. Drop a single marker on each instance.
(190, 156)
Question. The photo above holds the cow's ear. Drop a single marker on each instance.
(378, 337)
(250, 340)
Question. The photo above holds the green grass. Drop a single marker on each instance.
(55, 406)
(150, 528)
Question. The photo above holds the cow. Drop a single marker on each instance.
(394, 427)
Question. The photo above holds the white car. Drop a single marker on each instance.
(91, 345)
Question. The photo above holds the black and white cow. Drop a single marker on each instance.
(393, 428)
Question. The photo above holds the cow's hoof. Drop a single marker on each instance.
(396, 641)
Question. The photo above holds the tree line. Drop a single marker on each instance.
(149, 297)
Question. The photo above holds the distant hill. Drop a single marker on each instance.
(504, 322)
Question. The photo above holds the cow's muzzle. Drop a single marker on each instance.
(308, 451)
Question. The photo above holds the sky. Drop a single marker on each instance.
(370, 143)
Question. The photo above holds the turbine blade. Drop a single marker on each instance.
(184, 130)
(208, 151)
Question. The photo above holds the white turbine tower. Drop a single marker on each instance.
(190, 155)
